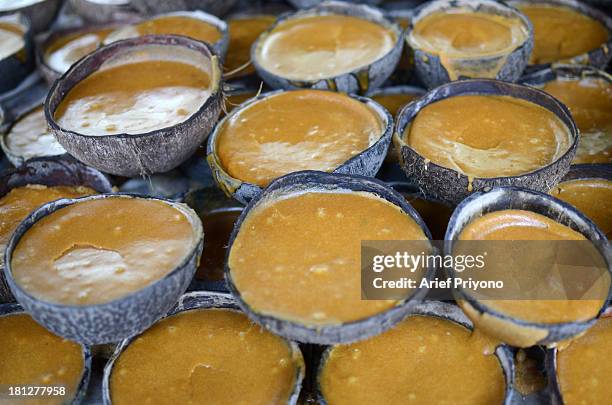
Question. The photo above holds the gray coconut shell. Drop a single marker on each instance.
(100, 13)
(117, 319)
(454, 314)
(313, 3)
(203, 300)
(366, 163)
(501, 198)
(137, 154)
(10, 309)
(313, 181)
(52, 171)
(451, 186)
(16, 67)
(428, 66)
(598, 57)
(359, 80)
(41, 14)
(564, 72)
(150, 7)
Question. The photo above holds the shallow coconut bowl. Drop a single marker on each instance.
(454, 314)
(151, 152)
(118, 319)
(509, 66)
(598, 57)
(219, 47)
(14, 68)
(40, 13)
(12, 309)
(46, 71)
(366, 163)
(359, 80)
(103, 11)
(203, 300)
(451, 186)
(51, 171)
(313, 181)
(515, 331)
(150, 7)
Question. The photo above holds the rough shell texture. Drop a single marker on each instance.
(501, 198)
(14, 68)
(136, 154)
(359, 80)
(312, 181)
(149, 7)
(448, 185)
(564, 71)
(41, 14)
(8, 309)
(454, 314)
(429, 67)
(54, 171)
(366, 163)
(114, 320)
(589, 171)
(99, 13)
(204, 202)
(203, 300)
(598, 57)
(313, 3)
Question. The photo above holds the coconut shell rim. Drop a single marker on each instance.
(137, 42)
(226, 301)
(232, 184)
(375, 15)
(562, 205)
(421, 12)
(502, 350)
(53, 206)
(322, 334)
(409, 112)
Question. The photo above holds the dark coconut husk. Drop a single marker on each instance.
(151, 7)
(100, 13)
